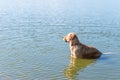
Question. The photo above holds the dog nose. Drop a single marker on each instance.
(65, 40)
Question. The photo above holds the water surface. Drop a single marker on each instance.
(31, 46)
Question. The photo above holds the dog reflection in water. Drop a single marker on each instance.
(76, 64)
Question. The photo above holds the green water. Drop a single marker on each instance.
(31, 45)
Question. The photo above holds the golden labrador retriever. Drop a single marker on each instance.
(79, 50)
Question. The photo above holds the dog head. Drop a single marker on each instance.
(69, 37)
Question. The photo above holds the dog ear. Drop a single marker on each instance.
(72, 36)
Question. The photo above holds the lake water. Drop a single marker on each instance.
(31, 45)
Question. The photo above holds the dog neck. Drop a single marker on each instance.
(74, 42)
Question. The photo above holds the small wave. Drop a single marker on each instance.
(108, 53)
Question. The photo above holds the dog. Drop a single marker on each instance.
(79, 50)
